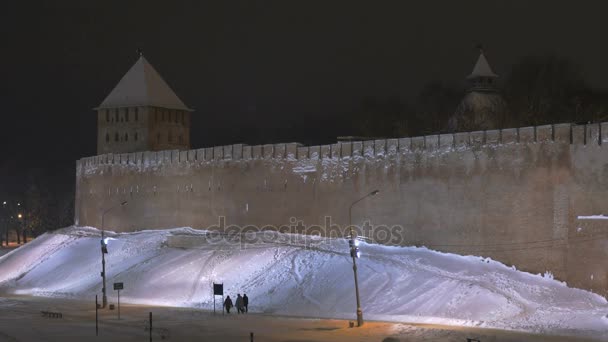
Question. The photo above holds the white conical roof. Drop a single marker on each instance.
(142, 86)
(482, 68)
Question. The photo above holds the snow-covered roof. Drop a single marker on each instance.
(482, 68)
(143, 86)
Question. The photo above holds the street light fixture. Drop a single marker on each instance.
(104, 251)
(21, 219)
(5, 216)
(354, 253)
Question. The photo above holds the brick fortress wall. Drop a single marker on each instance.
(514, 195)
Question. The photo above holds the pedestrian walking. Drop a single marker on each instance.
(240, 307)
(228, 304)
(246, 302)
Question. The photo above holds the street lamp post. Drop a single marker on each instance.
(104, 251)
(20, 227)
(8, 218)
(5, 221)
(21, 218)
(354, 253)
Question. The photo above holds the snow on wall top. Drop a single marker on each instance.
(142, 85)
(589, 134)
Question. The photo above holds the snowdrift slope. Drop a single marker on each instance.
(307, 277)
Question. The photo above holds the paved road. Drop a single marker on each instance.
(21, 320)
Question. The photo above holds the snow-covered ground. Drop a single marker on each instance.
(292, 275)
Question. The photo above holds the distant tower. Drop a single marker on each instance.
(483, 107)
(142, 113)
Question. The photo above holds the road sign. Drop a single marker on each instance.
(118, 287)
(218, 289)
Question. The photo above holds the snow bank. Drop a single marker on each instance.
(303, 276)
(593, 217)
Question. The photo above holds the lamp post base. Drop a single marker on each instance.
(359, 317)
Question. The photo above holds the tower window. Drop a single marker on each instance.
(107, 115)
(175, 117)
(164, 116)
(107, 137)
(135, 136)
(126, 136)
(116, 137)
(180, 139)
(136, 113)
(156, 115)
(116, 114)
(127, 114)
(158, 138)
(170, 138)
(182, 115)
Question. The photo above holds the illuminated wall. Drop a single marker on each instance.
(513, 195)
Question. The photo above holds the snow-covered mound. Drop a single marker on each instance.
(292, 275)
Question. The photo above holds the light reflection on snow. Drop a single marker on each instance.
(396, 283)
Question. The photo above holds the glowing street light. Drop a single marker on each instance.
(354, 253)
(21, 218)
(104, 251)
(5, 219)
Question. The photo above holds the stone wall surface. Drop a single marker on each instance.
(514, 195)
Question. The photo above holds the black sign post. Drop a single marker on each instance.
(96, 317)
(218, 290)
(118, 287)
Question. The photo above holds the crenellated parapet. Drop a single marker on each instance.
(586, 134)
(488, 193)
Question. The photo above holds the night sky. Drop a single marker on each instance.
(261, 71)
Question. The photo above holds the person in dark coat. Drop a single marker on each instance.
(246, 302)
(228, 304)
(240, 307)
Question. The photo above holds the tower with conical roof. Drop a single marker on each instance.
(142, 113)
(483, 107)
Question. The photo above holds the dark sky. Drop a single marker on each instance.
(261, 71)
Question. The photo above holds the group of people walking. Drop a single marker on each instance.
(242, 303)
